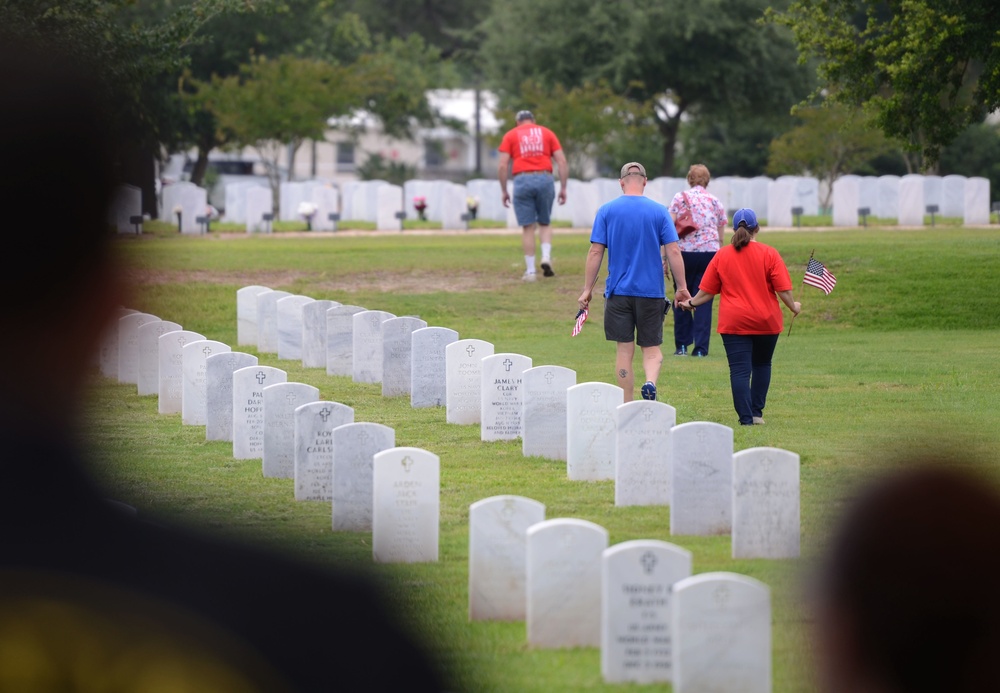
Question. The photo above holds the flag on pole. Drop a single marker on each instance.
(819, 276)
(581, 318)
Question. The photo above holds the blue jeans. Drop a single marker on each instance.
(694, 327)
(533, 197)
(749, 371)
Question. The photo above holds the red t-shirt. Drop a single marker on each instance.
(747, 281)
(531, 147)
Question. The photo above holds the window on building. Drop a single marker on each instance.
(345, 156)
(433, 154)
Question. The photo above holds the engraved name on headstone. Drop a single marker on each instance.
(248, 409)
(463, 380)
(501, 396)
(406, 506)
(314, 424)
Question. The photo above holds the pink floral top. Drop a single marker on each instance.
(708, 214)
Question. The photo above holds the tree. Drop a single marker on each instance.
(678, 60)
(975, 152)
(731, 144)
(830, 142)
(923, 69)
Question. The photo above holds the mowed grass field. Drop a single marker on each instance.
(900, 358)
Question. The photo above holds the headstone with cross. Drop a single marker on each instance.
(194, 395)
(354, 449)
(340, 339)
(765, 503)
(171, 369)
(591, 430)
(701, 492)
(128, 345)
(267, 320)
(248, 409)
(498, 534)
(246, 314)
(148, 367)
(219, 369)
(642, 453)
(720, 624)
(637, 577)
(428, 375)
(501, 396)
(406, 490)
(290, 326)
(314, 333)
(463, 376)
(544, 411)
(397, 351)
(108, 355)
(314, 425)
(563, 583)
(366, 339)
(280, 403)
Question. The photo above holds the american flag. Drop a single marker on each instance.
(581, 318)
(819, 276)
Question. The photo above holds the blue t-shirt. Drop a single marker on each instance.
(633, 228)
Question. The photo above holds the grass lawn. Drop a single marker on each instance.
(901, 356)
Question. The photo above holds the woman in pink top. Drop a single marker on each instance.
(697, 249)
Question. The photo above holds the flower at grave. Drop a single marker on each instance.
(307, 209)
(472, 202)
(420, 204)
(178, 210)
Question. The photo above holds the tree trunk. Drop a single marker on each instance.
(201, 163)
(669, 128)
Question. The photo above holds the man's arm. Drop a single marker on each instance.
(560, 160)
(676, 262)
(595, 256)
(502, 169)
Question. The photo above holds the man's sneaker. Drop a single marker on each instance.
(699, 353)
(547, 268)
(528, 277)
(649, 390)
(681, 351)
(758, 421)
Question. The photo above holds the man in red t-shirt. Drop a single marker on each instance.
(532, 149)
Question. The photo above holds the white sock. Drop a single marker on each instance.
(529, 263)
(546, 252)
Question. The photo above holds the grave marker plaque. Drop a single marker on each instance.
(405, 506)
(314, 424)
(544, 411)
(765, 503)
(428, 386)
(193, 392)
(219, 369)
(591, 430)
(701, 500)
(354, 448)
(501, 397)
(642, 453)
(248, 409)
(280, 402)
(463, 380)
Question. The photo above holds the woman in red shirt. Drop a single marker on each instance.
(750, 277)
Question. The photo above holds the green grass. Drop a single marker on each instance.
(900, 355)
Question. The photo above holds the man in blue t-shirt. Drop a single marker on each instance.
(641, 241)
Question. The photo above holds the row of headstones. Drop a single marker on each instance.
(588, 425)
(637, 601)
(909, 198)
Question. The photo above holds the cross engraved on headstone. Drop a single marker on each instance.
(596, 396)
(648, 561)
(470, 350)
(767, 463)
(549, 377)
(508, 509)
(375, 321)
(231, 362)
(324, 413)
(182, 340)
(407, 462)
(721, 596)
(162, 330)
(507, 363)
(207, 350)
(290, 398)
(261, 377)
(702, 436)
(403, 327)
(364, 437)
(647, 414)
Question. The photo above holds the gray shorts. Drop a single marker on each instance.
(634, 318)
(534, 194)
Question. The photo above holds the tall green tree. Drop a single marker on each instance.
(679, 59)
(924, 69)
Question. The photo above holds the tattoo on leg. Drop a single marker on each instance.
(622, 373)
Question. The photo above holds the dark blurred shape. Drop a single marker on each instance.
(908, 599)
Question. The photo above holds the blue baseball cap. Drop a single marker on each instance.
(745, 217)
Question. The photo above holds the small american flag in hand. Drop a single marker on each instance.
(581, 318)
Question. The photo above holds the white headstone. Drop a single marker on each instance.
(290, 326)
(765, 503)
(911, 201)
(291, 194)
(976, 206)
(127, 203)
(171, 369)
(280, 402)
(582, 198)
(327, 200)
(259, 201)
(701, 491)
(888, 197)
(397, 348)
(544, 411)
(591, 430)
(148, 373)
(314, 333)
(637, 577)
(490, 203)
(236, 201)
(759, 196)
(246, 314)
(107, 357)
(219, 369)
(953, 196)
(564, 583)
(354, 449)
(428, 371)
(780, 200)
(314, 424)
(128, 345)
(721, 628)
(340, 340)
(498, 535)
(193, 393)
(267, 320)
(389, 201)
(406, 506)
(642, 453)
(846, 200)
(933, 191)
(463, 380)
(248, 409)
(366, 337)
(868, 192)
(501, 396)
(187, 199)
